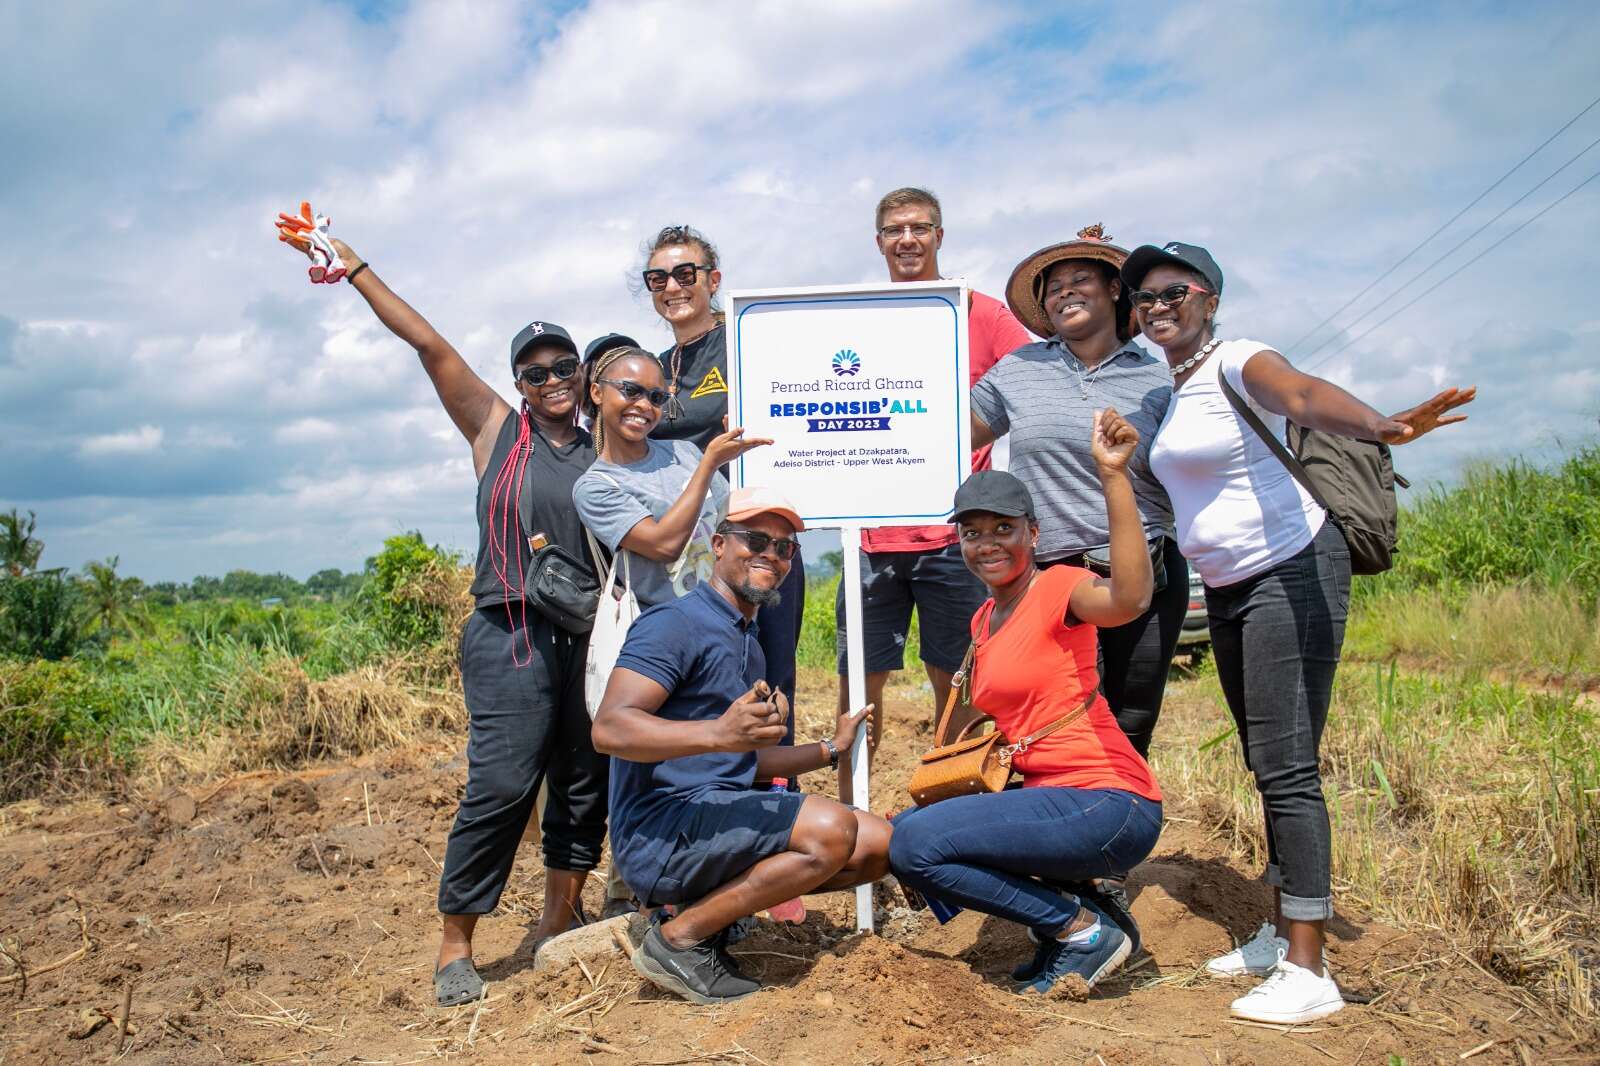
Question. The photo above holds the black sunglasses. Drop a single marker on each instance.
(684, 274)
(782, 547)
(633, 391)
(1172, 296)
(561, 370)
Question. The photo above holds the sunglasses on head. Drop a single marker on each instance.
(1172, 296)
(655, 279)
(782, 547)
(561, 370)
(632, 391)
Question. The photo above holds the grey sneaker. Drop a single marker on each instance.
(702, 973)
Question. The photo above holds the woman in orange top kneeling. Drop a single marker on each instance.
(1089, 806)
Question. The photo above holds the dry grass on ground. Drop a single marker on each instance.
(1462, 807)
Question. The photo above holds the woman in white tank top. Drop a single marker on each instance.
(1277, 575)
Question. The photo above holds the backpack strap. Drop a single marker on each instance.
(1277, 446)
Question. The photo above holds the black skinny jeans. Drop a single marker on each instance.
(1134, 658)
(524, 721)
(1277, 638)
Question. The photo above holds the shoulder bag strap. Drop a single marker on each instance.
(958, 684)
(1277, 446)
(1011, 751)
(595, 553)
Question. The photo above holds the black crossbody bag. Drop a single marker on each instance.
(560, 587)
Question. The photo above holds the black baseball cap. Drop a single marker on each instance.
(540, 333)
(607, 342)
(994, 491)
(1147, 257)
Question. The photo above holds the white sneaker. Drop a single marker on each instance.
(1289, 996)
(1256, 957)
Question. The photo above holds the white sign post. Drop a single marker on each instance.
(864, 390)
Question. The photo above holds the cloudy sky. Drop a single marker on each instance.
(172, 390)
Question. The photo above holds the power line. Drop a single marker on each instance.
(1423, 295)
(1454, 249)
(1405, 258)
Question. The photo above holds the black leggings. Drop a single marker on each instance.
(1135, 658)
(524, 721)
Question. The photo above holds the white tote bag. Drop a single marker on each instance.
(612, 619)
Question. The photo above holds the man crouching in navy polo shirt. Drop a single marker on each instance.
(692, 723)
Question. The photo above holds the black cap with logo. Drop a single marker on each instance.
(1147, 257)
(540, 333)
(994, 491)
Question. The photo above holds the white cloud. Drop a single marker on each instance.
(139, 441)
(307, 431)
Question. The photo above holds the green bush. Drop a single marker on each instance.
(41, 616)
(411, 594)
(52, 714)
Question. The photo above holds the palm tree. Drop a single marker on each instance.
(19, 548)
(108, 594)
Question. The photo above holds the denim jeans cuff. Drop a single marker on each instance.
(1054, 930)
(1306, 908)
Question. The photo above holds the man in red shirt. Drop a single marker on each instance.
(920, 566)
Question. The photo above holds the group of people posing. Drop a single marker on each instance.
(1056, 594)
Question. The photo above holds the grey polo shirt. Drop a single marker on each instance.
(1037, 397)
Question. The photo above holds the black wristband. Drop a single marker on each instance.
(351, 277)
(833, 753)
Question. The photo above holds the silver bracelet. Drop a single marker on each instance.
(833, 753)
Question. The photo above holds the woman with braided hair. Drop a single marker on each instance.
(656, 500)
(521, 673)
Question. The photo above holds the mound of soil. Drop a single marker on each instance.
(291, 918)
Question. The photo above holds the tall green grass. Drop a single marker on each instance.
(1501, 572)
(1504, 523)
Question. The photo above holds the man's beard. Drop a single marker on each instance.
(758, 596)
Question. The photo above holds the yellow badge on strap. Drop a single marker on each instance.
(709, 384)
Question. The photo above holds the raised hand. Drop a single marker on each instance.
(1408, 425)
(726, 447)
(309, 233)
(1112, 440)
(754, 720)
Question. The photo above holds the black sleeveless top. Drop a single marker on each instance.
(545, 495)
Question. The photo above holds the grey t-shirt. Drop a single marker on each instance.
(1047, 405)
(612, 498)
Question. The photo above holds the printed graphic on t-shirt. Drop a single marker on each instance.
(694, 565)
(711, 383)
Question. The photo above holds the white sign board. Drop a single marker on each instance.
(864, 390)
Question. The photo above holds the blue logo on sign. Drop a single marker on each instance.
(846, 364)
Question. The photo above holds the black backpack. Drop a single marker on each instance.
(1353, 480)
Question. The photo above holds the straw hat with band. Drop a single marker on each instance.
(1025, 290)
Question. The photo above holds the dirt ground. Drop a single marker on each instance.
(290, 918)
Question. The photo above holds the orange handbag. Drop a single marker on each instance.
(970, 766)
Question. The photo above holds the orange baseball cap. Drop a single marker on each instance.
(746, 503)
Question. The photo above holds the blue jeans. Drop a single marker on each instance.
(986, 852)
(1277, 638)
